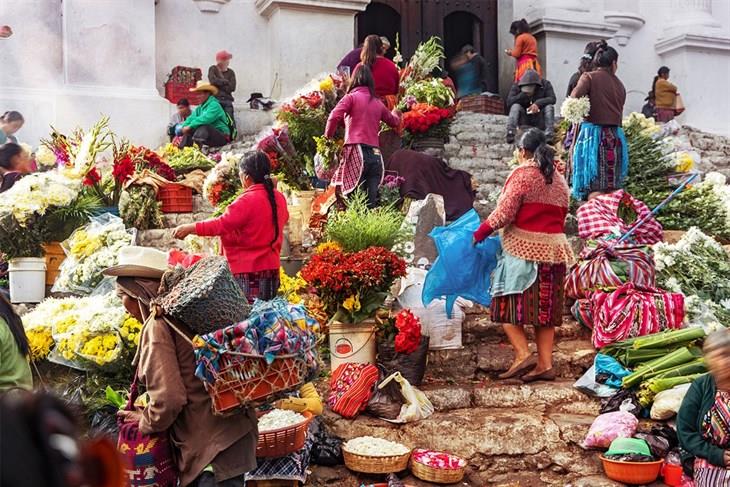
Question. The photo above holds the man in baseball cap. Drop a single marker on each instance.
(223, 78)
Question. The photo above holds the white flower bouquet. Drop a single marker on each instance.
(575, 110)
(90, 250)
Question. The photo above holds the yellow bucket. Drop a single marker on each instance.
(352, 343)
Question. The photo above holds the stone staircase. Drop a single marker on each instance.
(513, 434)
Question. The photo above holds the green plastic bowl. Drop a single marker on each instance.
(628, 446)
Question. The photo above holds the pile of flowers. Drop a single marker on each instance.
(93, 331)
(89, 251)
(290, 287)
(699, 267)
(409, 332)
(223, 181)
(436, 459)
(390, 190)
(375, 447)
(429, 91)
(428, 56)
(185, 160)
(575, 110)
(352, 286)
(279, 418)
(424, 120)
(642, 124)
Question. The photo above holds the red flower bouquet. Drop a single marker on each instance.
(409, 332)
(148, 159)
(423, 117)
(352, 286)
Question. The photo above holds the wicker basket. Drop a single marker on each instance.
(366, 464)
(283, 441)
(243, 379)
(437, 475)
(632, 473)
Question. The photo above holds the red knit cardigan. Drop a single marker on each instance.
(532, 214)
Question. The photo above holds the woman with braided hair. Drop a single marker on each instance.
(251, 229)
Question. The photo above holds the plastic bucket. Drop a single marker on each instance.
(27, 279)
(54, 258)
(303, 199)
(672, 474)
(295, 226)
(353, 343)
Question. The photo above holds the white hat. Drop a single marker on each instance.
(137, 261)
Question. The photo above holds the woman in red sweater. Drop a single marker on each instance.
(251, 237)
(385, 72)
(527, 285)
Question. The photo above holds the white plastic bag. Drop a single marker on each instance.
(609, 426)
(588, 385)
(667, 403)
(416, 406)
(444, 332)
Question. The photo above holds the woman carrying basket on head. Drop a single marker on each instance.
(178, 402)
(251, 229)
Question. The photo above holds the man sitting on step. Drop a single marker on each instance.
(531, 102)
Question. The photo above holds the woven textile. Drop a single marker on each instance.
(524, 63)
(259, 285)
(600, 160)
(608, 268)
(715, 429)
(631, 311)
(291, 467)
(540, 305)
(347, 175)
(351, 387)
(598, 219)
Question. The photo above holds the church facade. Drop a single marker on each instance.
(71, 60)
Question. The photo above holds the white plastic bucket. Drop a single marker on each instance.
(352, 344)
(27, 279)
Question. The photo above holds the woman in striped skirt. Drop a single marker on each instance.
(527, 285)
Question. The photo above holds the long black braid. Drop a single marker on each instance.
(257, 166)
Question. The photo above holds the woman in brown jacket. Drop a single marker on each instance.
(178, 402)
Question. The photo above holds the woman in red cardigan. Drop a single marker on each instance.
(527, 285)
(251, 236)
(385, 72)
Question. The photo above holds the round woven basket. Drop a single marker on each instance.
(367, 464)
(437, 475)
(283, 441)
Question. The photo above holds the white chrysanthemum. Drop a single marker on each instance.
(575, 110)
(715, 178)
(673, 285)
(45, 157)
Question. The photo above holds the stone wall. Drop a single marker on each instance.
(714, 150)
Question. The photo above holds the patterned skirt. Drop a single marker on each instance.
(524, 63)
(600, 160)
(539, 305)
(709, 475)
(262, 285)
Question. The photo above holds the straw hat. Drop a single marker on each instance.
(205, 86)
(141, 262)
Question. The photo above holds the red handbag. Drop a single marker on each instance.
(351, 387)
(149, 459)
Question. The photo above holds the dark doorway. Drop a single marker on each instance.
(379, 19)
(460, 29)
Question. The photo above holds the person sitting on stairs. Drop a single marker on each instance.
(531, 102)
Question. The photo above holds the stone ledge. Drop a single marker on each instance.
(267, 8)
(693, 41)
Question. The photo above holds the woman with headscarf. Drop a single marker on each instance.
(527, 284)
(524, 50)
(178, 402)
(251, 229)
(600, 157)
(703, 421)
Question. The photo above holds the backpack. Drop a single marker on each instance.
(351, 387)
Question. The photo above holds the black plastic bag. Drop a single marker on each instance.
(614, 402)
(658, 445)
(411, 366)
(327, 448)
(104, 423)
(387, 402)
(631, 457)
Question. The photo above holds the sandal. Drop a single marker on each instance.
(547, 375)
(520, 368)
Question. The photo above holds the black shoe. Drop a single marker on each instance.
(510, 136)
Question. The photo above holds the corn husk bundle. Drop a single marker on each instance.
(649, 389)
(636, 351)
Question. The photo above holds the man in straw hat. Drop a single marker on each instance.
(208, 125)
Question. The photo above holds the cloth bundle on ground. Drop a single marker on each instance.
(631, 311)
(600, 218)
(426, 174)
(351, 387)
(461, 269)
(603, 266)
(205, 297)
(274, 328)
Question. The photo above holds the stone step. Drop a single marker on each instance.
(504, 432)
(485, 360)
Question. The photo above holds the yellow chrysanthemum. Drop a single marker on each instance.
(40, 341)
(327, 84)
(325, 246)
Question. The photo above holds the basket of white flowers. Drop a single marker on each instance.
(367, 454)
(282, 432)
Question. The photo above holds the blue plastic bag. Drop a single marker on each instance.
(612, 368)
(461, 269)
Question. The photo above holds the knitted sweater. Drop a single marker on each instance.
(532, 215)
